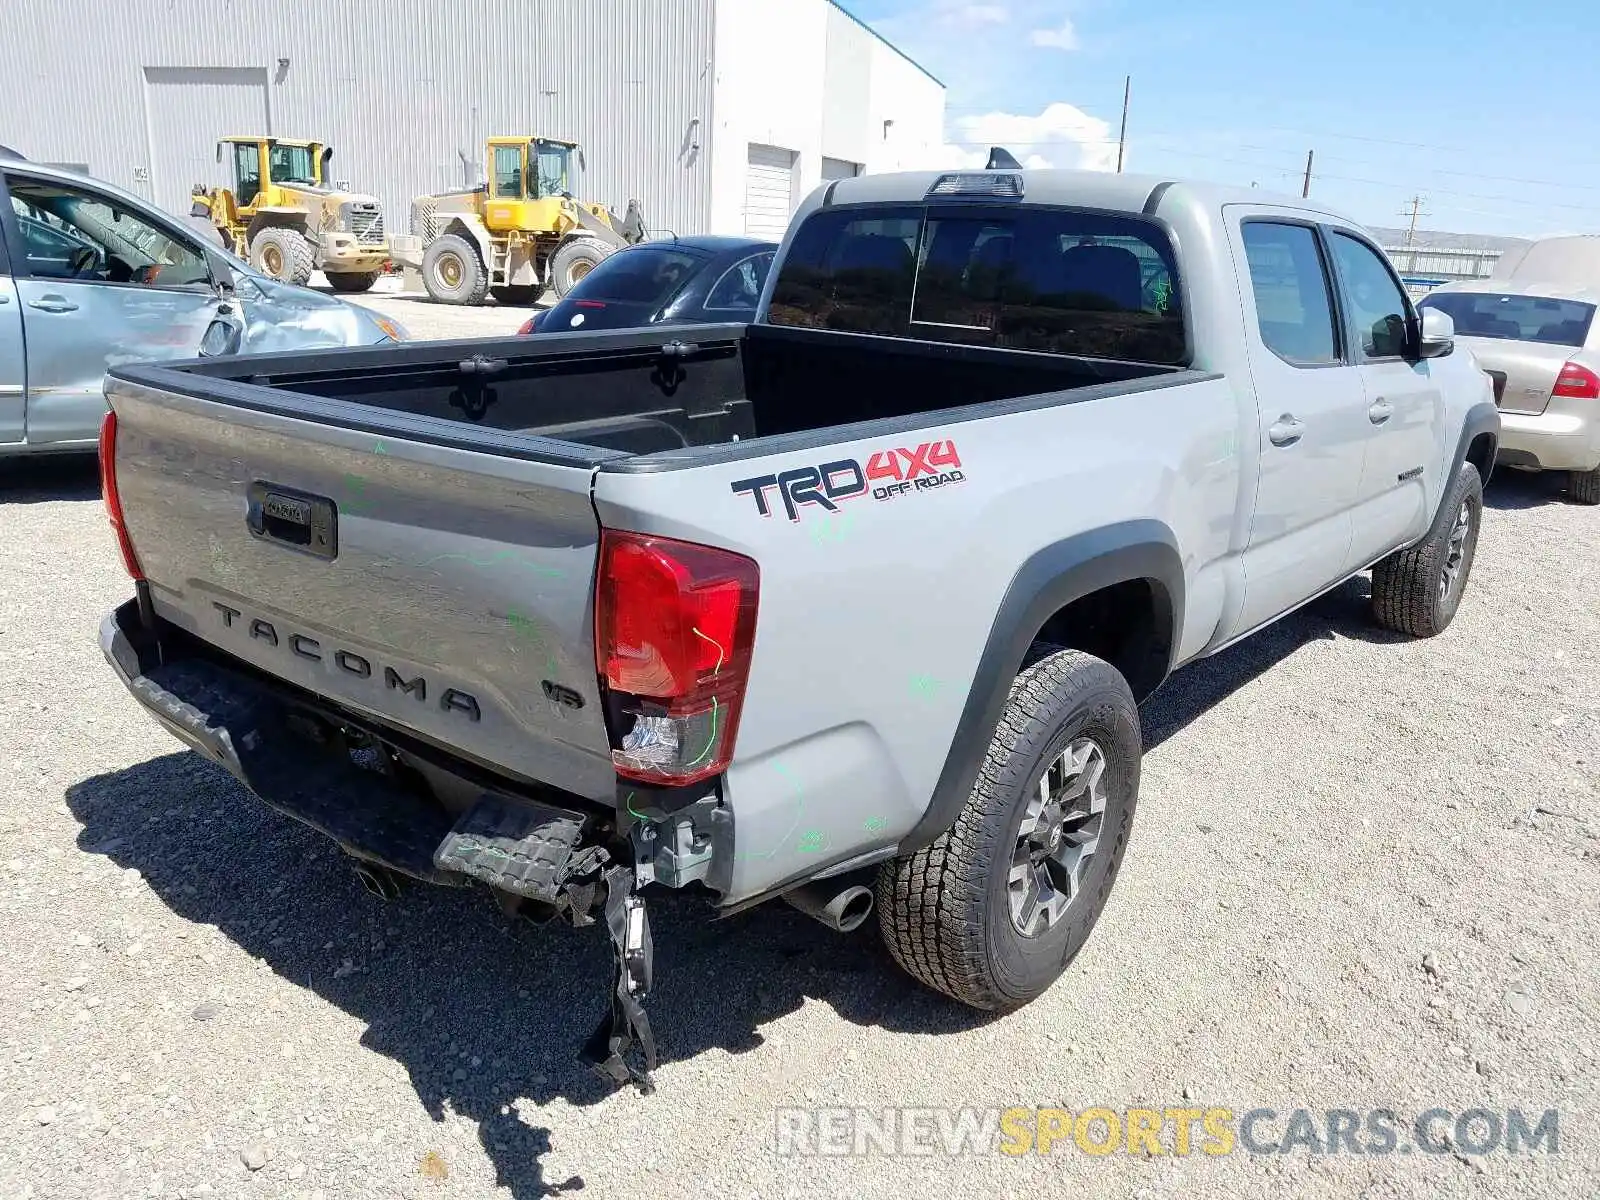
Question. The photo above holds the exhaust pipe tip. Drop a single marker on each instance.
(842, 909)
(378, 880)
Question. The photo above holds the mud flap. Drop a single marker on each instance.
(607, 1050)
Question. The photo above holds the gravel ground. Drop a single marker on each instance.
(201, 1000)
(425, 319)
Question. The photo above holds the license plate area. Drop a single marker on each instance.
(299, 520)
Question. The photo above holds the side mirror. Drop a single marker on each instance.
(1438, 334)
(224, 335)
(582, 164)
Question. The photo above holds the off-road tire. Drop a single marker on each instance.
(453, 253)
(944, 911)
(289, 248)
(1406, 587)
(580, 255)
(520, 295)
(1584, 486)
(352, 281)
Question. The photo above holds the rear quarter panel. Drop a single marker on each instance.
(872, 619)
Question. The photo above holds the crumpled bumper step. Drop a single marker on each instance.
(521, 847)
(243, 728)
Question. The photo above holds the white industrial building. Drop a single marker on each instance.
(716, 115)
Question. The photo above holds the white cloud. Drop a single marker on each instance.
(1059, 136)
(1062, 37)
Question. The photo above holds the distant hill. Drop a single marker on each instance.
(1428, 239)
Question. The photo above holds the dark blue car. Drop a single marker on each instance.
(682, 279)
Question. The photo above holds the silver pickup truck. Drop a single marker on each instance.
(852, 605)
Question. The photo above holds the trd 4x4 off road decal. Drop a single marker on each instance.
(901, 472)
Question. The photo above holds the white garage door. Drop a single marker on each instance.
(838, 168)
(189, 109)
(768, 191)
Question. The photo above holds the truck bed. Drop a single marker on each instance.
(646, 391)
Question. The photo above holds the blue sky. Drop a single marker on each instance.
(1482, 109)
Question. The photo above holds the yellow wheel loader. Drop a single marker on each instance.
(517, 234)
(283, 216)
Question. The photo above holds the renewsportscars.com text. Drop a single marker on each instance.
(1100, 1130)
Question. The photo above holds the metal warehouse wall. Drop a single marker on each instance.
(405, 90)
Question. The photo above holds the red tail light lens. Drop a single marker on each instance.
(675, 626)
(531, 325)
(1578, 382)
(108, 493)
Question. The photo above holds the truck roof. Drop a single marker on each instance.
(1092, 189)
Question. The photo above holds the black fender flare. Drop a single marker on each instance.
(1046, 582)
(1483, 417)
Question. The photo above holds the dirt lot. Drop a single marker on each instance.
(1363, 875)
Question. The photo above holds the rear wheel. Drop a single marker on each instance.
(453, 273)
(993, 911)
(1584, 486)
(284, 254)
(1417, 590)
(518, 294)
(574, 260)
(351, 281)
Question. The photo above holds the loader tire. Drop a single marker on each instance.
(515, 294)
(283, 254)
(573, 261)
(1417, 590)
(453, 273)
(352, 281)
(997, 907)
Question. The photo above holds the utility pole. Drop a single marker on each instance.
(1305, 188)
(1122, 137)
(1414, 212)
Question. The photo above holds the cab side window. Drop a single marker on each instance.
(1376, 303)
(246, 174)
(508, 172)
(1294, 301)
(71, 234)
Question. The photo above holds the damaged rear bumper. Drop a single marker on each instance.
(514, 844)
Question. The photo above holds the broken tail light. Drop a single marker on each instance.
(109, 496)
(675, 626)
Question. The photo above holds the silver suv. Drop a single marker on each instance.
(92, 276)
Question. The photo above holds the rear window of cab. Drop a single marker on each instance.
(1062, 281)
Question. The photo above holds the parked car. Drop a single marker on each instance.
(674, 281)
(1540, 345)
(91, 276)
(852, 604)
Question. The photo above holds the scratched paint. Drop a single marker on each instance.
(800, 809)
(526, 629)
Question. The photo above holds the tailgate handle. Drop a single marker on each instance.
(299, 520)
(677, 349)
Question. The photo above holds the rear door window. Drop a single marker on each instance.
(1289, 280)
(1061, 281)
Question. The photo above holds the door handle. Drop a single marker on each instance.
(4, 299)
(1286, 430)
(1380, 411)
(53, 304)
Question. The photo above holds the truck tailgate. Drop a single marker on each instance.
(443, 590)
